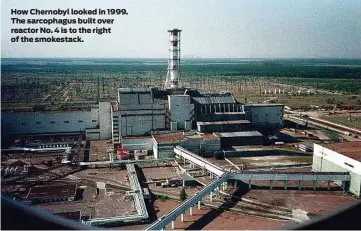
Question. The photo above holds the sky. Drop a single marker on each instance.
(210, 29)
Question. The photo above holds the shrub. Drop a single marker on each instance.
(183, 195)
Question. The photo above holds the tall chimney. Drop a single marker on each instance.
(173, 75)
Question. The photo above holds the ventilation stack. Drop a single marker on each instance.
(173, 75)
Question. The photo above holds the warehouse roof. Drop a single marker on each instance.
(238, 134)
(46, 191)
(349, 149)
(224, 122)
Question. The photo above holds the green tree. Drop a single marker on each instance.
(183, 195)
(218, 155)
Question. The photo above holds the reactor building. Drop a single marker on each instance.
(157, 119)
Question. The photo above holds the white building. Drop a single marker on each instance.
(340, 157)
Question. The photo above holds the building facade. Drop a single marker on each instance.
(341, 157)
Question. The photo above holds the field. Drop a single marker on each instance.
(62, 83)
(344, 119)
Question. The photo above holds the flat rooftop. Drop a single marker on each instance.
(179, 136)
(46, 191)
(225, 122)
(349, 149)
(238, 134)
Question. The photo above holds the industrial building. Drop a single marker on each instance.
(158, 119)
(202, 144)
(340, 157)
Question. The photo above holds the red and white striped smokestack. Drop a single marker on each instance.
(173, 75)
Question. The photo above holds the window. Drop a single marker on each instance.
(66, 121)
(38, 122)
(349, 165)
(23, 124)
(52, 122)
(80, 121)
(94, 121)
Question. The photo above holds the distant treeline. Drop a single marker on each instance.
(341, 69)
(318, 72)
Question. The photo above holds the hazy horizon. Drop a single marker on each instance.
(210, 29)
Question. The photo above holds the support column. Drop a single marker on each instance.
(218, 190)
(285, 184)
(210, 175)
(344, 186)
(314, 185)
(172, 224)
(249, 184)
(191, 211)
(235, 183)
(299, 185)
(211, 196)
(199, 204)
(271, 184)
(182, 217)
(329, 185)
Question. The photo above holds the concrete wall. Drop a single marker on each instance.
(180, 109)
(140, 124)
(164, 150)
(265, 116)
(49, 122)
(105, 120)
(325, 159)
(200, 147)
(138, 144)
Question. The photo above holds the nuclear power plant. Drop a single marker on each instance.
(157, 141)
(153, 111)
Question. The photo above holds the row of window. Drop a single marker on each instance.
(66, 122)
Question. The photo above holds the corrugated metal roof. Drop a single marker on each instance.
(239, 134)
(214, 99)
(225, 122)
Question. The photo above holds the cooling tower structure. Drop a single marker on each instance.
(173, 75)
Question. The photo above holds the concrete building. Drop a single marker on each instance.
(265, 116)
(138, 112)
(202, 144)
(149, 111)
(340, 157)
(93, 121)
(229, 139)
(224, 126)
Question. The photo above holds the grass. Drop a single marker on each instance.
(354, 123)
(332, 134)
